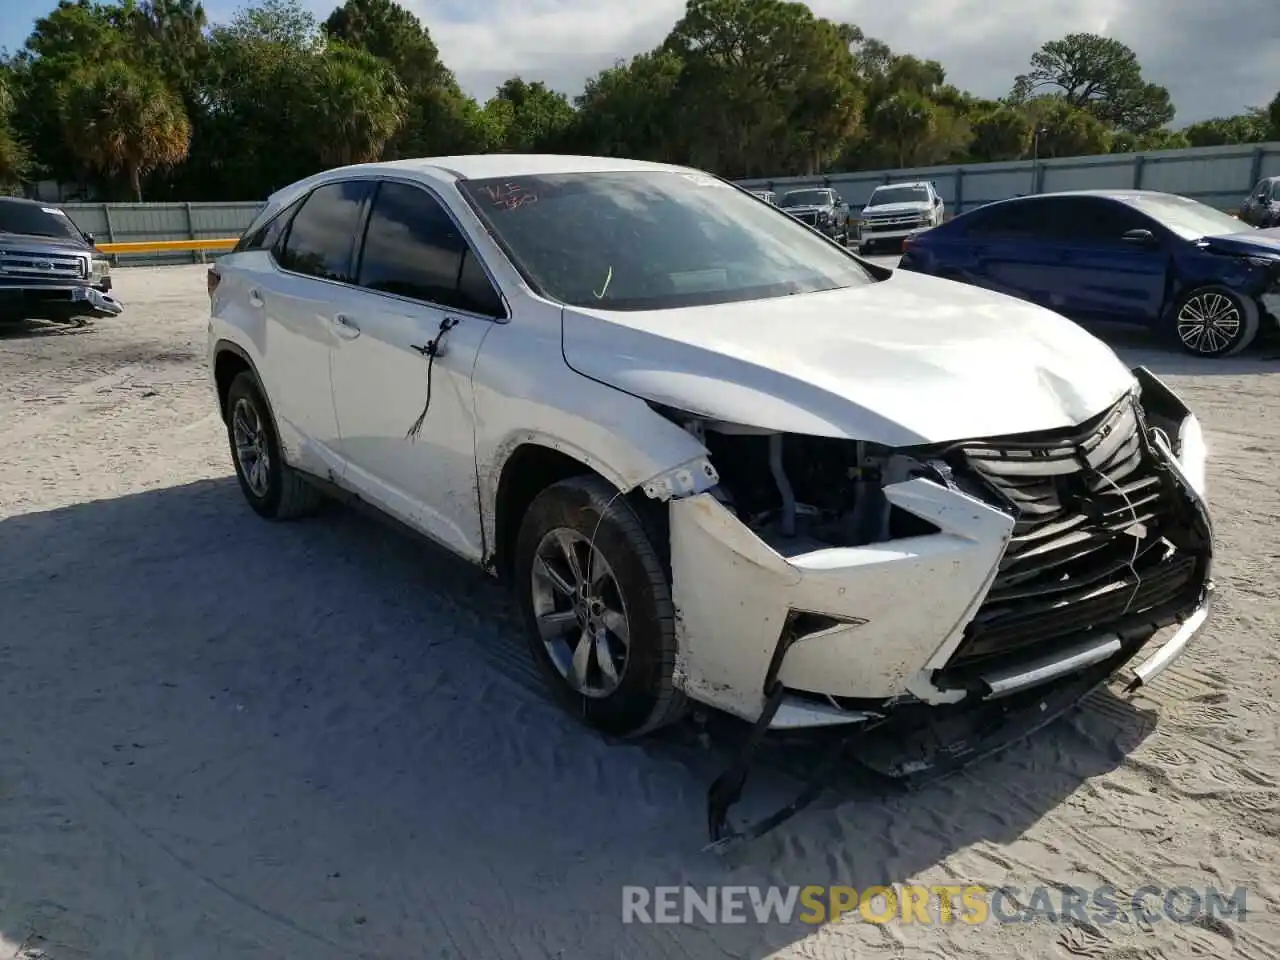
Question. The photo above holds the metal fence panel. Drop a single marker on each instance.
(125, 222)
(1218, 176)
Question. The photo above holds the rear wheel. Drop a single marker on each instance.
(273, 488)
(597, 606)
(1215, 321)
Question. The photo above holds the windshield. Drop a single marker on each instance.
(898, 195)
(654, 240)
(806, 198)
(37, 221)
(1187, 218)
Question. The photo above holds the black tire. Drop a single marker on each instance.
(287, 494)
(646, 697)
(1214, 321)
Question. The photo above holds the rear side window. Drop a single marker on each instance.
(321, 237)
(1003, 219)
(268, 235)
(413, 248)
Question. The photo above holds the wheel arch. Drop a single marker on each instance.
(229, 361)
(530, 467)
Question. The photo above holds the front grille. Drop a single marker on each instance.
(32, 264)
(1088, 544)
(810, 218)
(894, 221)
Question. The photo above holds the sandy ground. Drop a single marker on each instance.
(226, 738)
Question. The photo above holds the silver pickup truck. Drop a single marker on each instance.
(49, 268)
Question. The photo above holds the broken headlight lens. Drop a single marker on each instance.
(99, 270)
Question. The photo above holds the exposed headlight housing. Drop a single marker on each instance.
(99, 270)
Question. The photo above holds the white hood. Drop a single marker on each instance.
(910, 206)
(912, 359)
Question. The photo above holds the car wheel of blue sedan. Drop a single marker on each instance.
(1215, 321)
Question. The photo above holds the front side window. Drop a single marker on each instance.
(642, 240)
(413, 248)
(1275, 190)
(905, 194)
(1187, 218)
(320, 239)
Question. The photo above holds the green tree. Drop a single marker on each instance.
(904, 122)
(531, 117)
(13, 155)
(1066, 131)
(766, 86)
(120, 120)
(1098, 74)
(438, 117)
(70, 37)
(630, 110)
(1000, 133)
(355, 104)
(1218, 131)
(1273, 118)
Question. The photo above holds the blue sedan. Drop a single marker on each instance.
(1125, 256)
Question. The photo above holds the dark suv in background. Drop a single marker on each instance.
(1262, 208)
(49, 268)
(821, 208)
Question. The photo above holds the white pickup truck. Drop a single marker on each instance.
(896, 211)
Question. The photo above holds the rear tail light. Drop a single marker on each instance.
(214, 278)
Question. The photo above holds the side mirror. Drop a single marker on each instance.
(937, 201)
(89, 238)
(1141, 237)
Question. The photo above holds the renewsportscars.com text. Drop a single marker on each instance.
(938, 904)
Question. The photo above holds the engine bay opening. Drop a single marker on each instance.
(801, 493)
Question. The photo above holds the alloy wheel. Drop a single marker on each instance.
(580, 612)
(1209, 322)
(251, 447)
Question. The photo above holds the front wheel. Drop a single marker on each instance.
(596, 601)
(1215, 321)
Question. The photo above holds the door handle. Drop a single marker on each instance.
(345, 327)
(255, 298)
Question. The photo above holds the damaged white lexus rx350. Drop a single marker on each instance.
(720, 458)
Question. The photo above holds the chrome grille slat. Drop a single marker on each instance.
(1088, 510)
(33, 264)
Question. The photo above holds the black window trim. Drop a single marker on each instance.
(357, 245)
(363, 230)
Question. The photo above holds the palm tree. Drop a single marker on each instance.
(358, 105)
(120, 120)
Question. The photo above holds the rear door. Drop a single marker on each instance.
(1011, 250)
(300, 299)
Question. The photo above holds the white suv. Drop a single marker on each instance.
(897, 211)
(720, 457)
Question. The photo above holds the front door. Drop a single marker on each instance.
(1105, 277)
(405, 417)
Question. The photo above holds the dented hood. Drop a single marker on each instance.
(912, 359)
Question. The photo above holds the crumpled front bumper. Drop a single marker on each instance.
(879, 624)
(891, 612)
(56, 301)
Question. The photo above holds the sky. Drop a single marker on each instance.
(1215, 58)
